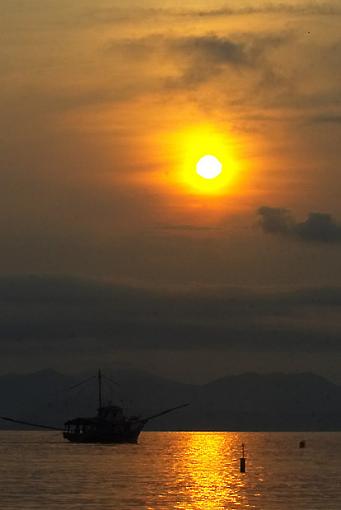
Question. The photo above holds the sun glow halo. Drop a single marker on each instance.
(209, 163)
(202, 161)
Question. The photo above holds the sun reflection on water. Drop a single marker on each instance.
(211, 465)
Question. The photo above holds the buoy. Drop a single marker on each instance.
(243, 460)
(301, 444)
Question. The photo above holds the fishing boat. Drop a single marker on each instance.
(109, 425)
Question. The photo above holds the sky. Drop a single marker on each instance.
(113, 249)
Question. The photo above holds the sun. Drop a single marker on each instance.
(209, 167)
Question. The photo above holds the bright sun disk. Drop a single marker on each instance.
(209, 167)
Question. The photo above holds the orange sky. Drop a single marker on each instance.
(112, 106)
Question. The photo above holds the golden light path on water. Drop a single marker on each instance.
(212, 470)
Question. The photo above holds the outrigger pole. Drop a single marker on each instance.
(29, 423)
(164, 412)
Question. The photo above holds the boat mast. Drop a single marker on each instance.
(99, 389)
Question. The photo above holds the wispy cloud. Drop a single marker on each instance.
(220, 49)
(197, 59)
(117, 15)
(323, 9)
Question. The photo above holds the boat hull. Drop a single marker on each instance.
(73, 438)
(130, 436)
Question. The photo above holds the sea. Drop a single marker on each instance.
(172, 470)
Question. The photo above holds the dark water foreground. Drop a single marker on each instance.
(171, 470)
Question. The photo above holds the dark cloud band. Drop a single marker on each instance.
(63, 313)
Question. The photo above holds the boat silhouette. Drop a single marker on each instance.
(109, 425)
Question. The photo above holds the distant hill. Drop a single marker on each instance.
(268, 402)
(245, 402)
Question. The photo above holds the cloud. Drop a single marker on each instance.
(318, 227)
(220, 50)
(195, 59)
(324, 9)
(245, 68)
(117, 15)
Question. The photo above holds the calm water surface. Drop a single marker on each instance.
(171, 470)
